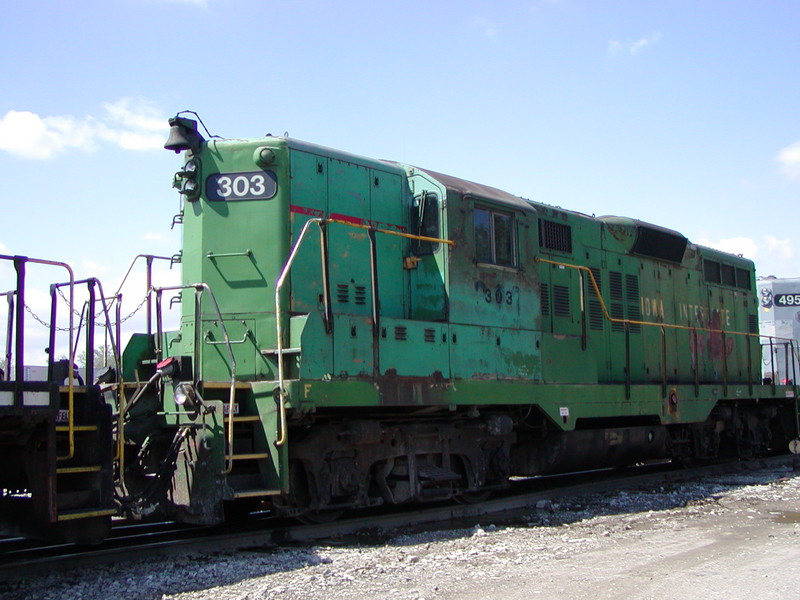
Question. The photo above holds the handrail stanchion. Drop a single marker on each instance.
(9, 334)
(786, 361)
(279, 329)
(724, 364)
(772, 363)
(663, 362)
(749, 365)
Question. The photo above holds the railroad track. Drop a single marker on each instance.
(25, 558)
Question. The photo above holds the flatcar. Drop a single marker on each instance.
(359, 332)
(56, 438)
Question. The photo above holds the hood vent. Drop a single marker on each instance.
(660, 243)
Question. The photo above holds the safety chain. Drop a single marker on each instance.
(75, 312)
(79, 315)
(41, 322)
(123, 319)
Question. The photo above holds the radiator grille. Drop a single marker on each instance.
(595, 308)
(560, 301)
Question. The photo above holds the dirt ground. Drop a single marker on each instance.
(729, 536)
(743, 544)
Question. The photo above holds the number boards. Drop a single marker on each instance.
(259, 185)
(787, 300)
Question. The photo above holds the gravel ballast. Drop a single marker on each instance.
(729, 536)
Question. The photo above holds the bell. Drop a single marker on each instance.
(183, 135)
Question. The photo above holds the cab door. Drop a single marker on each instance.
(427, 262)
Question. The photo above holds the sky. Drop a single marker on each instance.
(681, 113)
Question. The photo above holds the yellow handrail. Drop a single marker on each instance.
(663, 326)
(646, 323)
(410, 236)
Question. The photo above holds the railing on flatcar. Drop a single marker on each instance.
(791, 357)
(87, 321)
(56, 427)
(15, 343)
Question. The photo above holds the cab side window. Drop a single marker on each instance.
(495, 240)
(425, 222)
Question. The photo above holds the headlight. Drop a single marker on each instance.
(190, 168)
(185, 392)
(189, 187)
(185, 180)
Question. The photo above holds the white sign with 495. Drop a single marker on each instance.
(787, 300)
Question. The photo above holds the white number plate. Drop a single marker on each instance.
(787, 299)
(259, 185)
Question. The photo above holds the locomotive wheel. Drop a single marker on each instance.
(473, 497)
(302, 496)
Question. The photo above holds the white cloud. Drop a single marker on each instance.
(745, 246)
(128, 123)
(789, 159)
(96, 268)
(27, 135)
(771, 252)
(782, 249)
(633, 47)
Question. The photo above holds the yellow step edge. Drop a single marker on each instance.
(244, 419)
(69, 516)
(246, 456)
(77, 428)
(256, 493)
(70, 470)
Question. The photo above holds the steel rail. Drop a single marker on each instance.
(271, 532)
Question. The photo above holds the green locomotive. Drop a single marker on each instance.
(369, 332)
(357, 332)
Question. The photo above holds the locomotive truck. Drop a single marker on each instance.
(359, 332)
